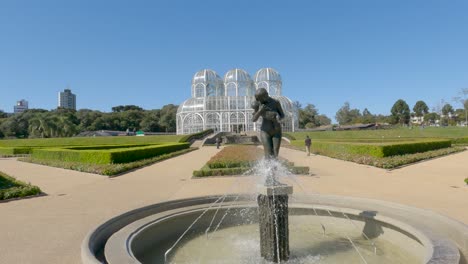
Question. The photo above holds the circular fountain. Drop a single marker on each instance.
(322, 229)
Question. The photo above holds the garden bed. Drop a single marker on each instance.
(11, 188)
(106, 169)
(239, 160)
(106, 154)
(390, 162)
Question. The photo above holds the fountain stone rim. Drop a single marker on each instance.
(438, 249)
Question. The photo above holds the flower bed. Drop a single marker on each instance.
(239, 160)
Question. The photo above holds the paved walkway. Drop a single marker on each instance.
(50, 229)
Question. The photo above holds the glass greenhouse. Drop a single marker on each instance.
(225, 104)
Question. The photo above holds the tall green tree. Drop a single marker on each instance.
(400, 112)
(168, 118)
(307, 116)
(345, 115)
(447, 109)
(420, 108)
(123, 108)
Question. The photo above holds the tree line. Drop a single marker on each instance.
(400, 113)
(40, 123)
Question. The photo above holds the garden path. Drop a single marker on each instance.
(49, 229)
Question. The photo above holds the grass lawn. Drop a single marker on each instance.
(386, 134)
(408, 145)
(89, 141)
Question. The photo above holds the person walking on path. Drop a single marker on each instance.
(307, 143)
(218, 142)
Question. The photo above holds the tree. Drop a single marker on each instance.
(322, 120)
(447, 110)
(3, 114)
(168, 118)
(367, 117)
(463, 100)
(297, 105)
(400, 112)
(420, 108)
(150, 122)
(123, 108)
(431, 118)
(345, 115)
(307, 116)
(342, 115)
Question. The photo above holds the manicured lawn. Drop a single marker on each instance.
(384, 148)
(89, 141)
(387, 134)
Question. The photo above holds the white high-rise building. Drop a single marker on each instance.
(66, 99)
(21, 106)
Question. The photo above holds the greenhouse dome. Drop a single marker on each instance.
(226, 106)
(269, 79)
(207, 83)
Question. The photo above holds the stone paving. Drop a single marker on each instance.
(50, 229)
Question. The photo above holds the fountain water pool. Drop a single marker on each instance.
(395, 233)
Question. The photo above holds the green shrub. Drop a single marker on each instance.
(133, 154)
(414, 147)
(460, 141)
(191, 137)
(220, 172)
(466, 180)
(106, 169)
(378, 150)
(98, 155)
(13, 151)
(12, 188)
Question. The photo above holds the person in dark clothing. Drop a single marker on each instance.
(218, 142)
(308, 142)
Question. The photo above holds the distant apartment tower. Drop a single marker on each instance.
(66, 99)
(21, 106)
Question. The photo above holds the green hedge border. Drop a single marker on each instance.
(18, 190)
(199, 135)
(376, 150)
(103, 156)
(111, 170)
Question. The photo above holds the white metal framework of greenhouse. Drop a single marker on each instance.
(225, 106)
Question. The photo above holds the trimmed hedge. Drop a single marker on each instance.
(460, 141)
(375, 149)
(11, 188)
(12, 151)
(107, 156)
(106, 169)
(220, 171)
(192, 137)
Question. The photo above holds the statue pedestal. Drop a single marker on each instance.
(273, 220)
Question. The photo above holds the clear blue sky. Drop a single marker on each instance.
(110, 53)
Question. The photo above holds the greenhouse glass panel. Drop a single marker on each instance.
(226, 106)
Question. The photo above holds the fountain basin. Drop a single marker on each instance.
(143, 235)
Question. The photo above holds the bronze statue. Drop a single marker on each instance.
(272, 113)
